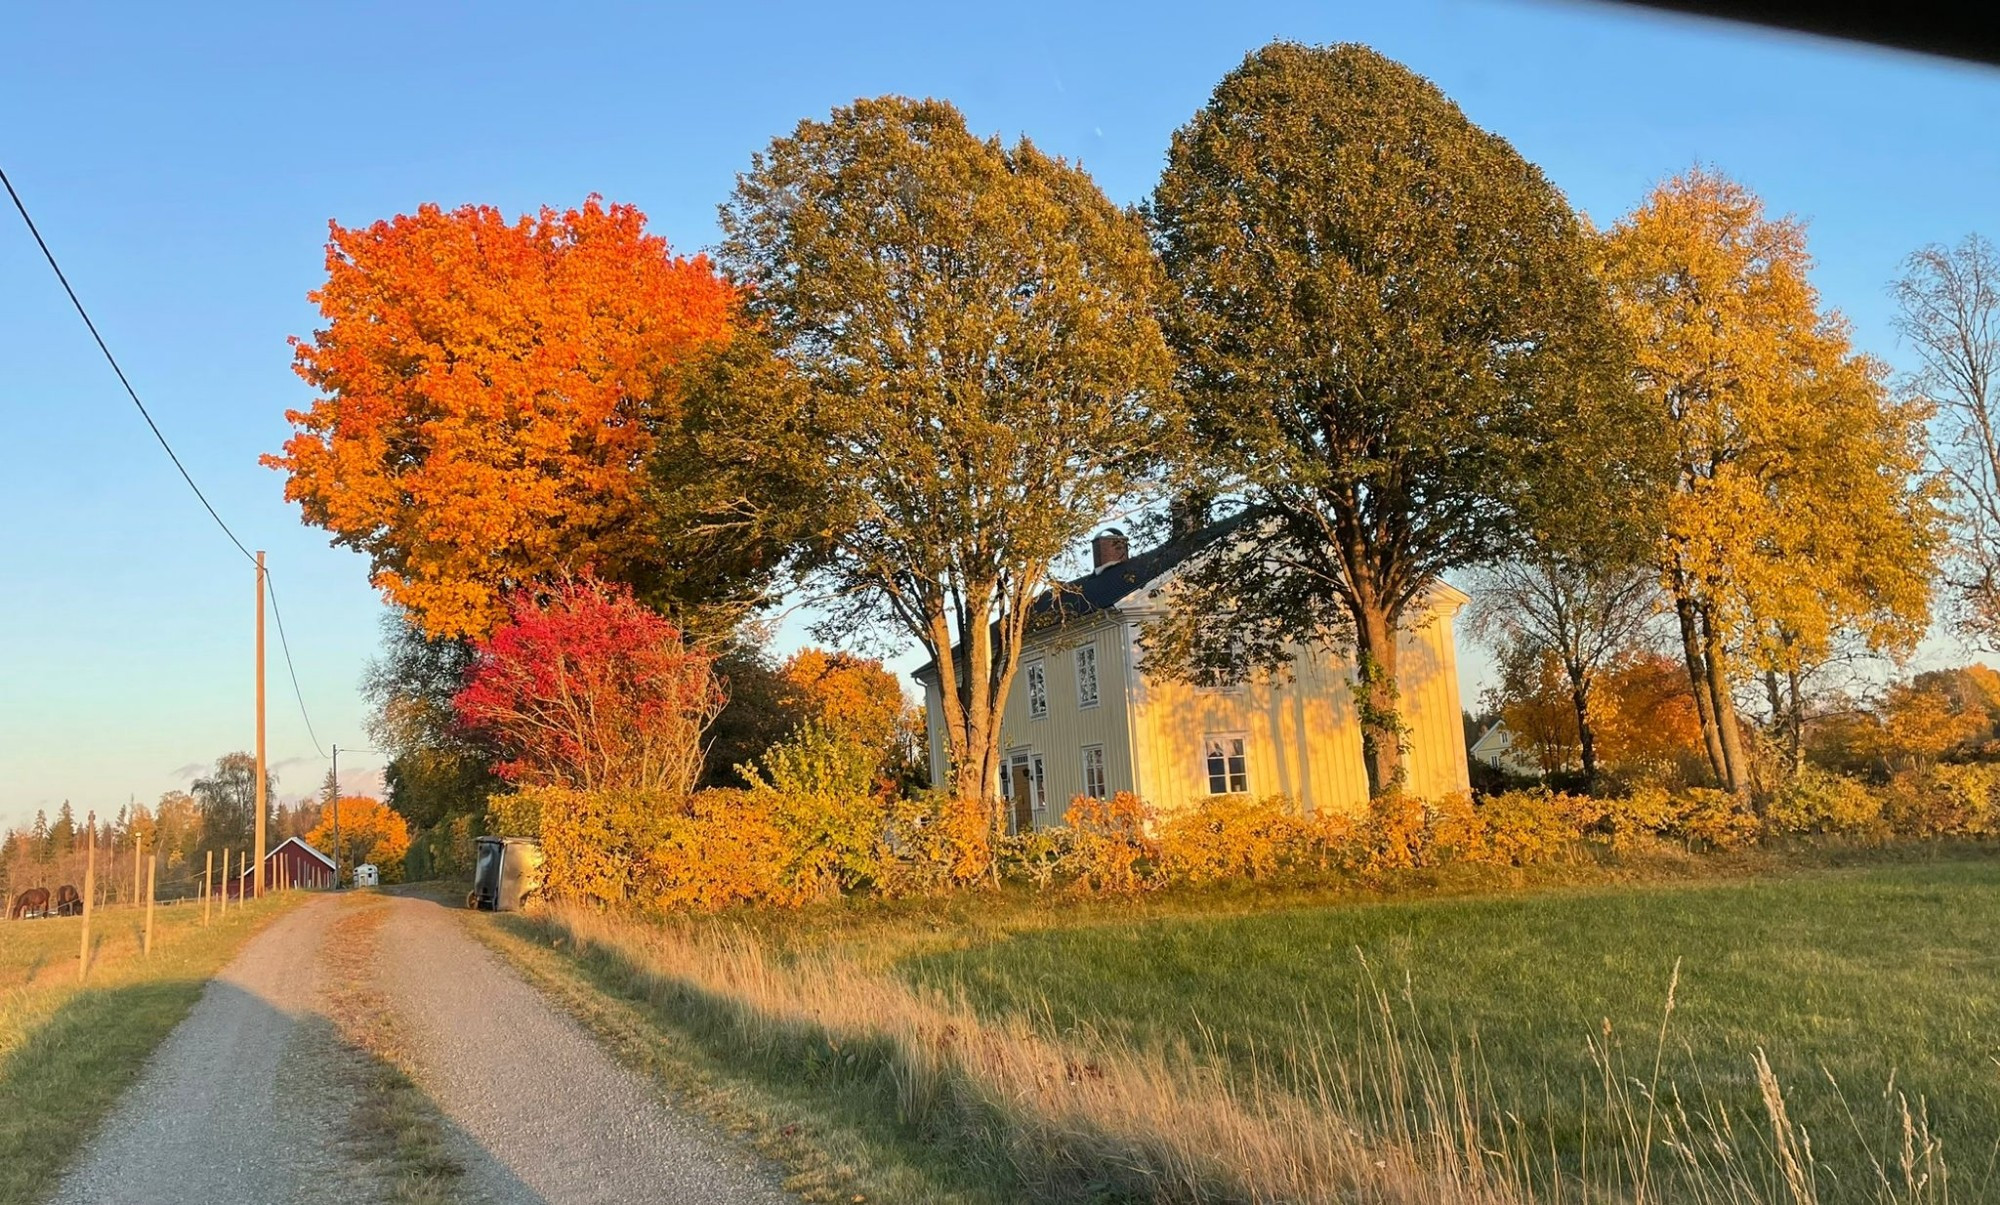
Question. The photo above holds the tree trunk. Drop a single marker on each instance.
(1734, 778)
(1375, 699)
(1795, 723)
(1697, 665)
(1586, 738)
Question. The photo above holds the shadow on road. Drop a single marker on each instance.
(246, 1101)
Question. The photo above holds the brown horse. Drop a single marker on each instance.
(32, 902)
(69, 901)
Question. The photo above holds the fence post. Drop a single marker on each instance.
(222, 905)
(207, 887)
(138, 856)
(89, 889)
(152, 880)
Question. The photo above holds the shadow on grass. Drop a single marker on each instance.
(867, 1096)
(242, 1101)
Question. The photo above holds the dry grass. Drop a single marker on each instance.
(1396, 1115)
(393, 1119)
(69, 1049)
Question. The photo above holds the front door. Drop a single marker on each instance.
(1022, 793)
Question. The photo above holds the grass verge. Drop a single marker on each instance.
(1515, 1048)
(69, 1049)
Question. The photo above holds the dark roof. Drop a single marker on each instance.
(1107, 587)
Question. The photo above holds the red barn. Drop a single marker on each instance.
(292, 864)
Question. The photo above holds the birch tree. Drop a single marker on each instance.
(1949, 311)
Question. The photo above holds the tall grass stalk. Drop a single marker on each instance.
(1396, 1116)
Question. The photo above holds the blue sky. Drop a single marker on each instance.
(184, 167)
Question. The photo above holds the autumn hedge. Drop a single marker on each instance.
(723, 848)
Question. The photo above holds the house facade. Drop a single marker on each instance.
(1084, 717)
(1496, 747)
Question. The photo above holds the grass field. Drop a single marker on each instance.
(1833, 1037)
(1856, 979)
(69, 1049)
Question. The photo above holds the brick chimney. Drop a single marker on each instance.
(1109, 548)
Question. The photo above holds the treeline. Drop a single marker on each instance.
(922, 366)
(216, 813)
(184, 829)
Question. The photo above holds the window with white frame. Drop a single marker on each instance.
(1228, 766)
(1086, 676)
(1093, 771)
(1038, 690)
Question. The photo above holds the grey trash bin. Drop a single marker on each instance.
(506, 872)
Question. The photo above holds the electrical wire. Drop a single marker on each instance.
(22, 208)
(113, 361)
(271, 586)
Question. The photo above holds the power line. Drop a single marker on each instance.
(22, 208)
(286, 646)
(113, 361)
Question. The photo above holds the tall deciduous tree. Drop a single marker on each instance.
(1387, 327)
(968, 375)
(1798, 509)
(490, 393)
(369, 832)
(227, 797)
(1949, 301)
(437, 767)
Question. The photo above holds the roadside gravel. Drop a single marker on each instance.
(234, 1105)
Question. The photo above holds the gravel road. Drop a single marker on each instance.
(237, 1104)
(555, 1117)
(235, 1082)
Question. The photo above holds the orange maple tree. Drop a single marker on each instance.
(490, 393)
(851, 696)
(369, 832)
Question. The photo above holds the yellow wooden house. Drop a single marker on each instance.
(1085, 718)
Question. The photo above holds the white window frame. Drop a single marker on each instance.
(1088, 653)
(1235, 781)
(1037, 774)
(1037, 675)
(1101, 789)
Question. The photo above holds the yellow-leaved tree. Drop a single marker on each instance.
(1800, 511)
(369, 832)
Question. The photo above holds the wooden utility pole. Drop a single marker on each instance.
(89, 889)
(152, 884)
(138, 858)
(207, 888)
(259, 863)
(336, 817)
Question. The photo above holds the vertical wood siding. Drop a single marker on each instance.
(1302, 736)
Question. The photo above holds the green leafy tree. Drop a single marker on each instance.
(1388, 328)
(437, 768)
(227, 797)
(960, 373)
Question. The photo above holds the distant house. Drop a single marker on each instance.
(1084, 717)
(1495, 747)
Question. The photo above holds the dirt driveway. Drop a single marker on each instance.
(260, 1094)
